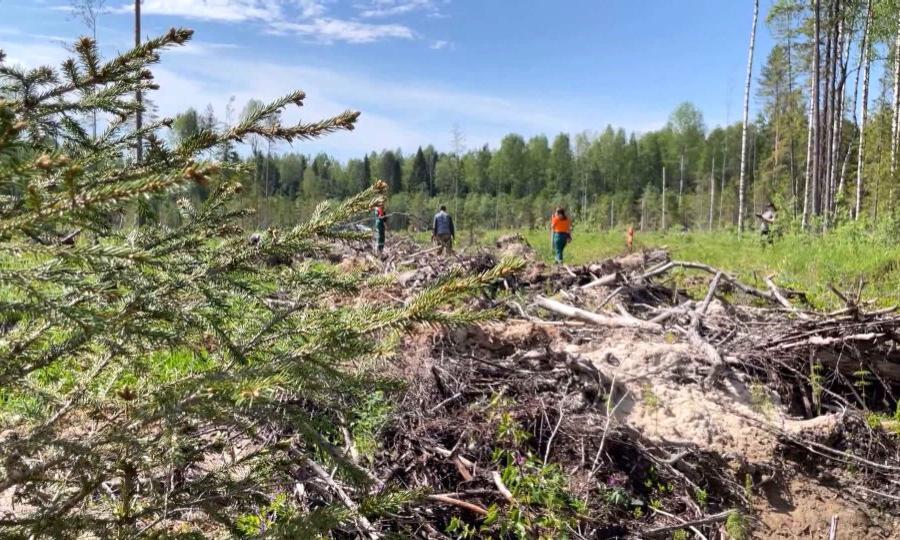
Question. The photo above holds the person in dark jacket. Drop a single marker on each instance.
(379, 228)
(443, 232)
(766, 221)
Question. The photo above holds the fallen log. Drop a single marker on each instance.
(824, 341)
(608, 279)
(596, 318)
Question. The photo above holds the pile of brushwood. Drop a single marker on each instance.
(512, 429)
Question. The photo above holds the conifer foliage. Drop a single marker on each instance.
(155, 377)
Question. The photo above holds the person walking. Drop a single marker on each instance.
(443, 232)
(380, 218)
(560, 233)
(766, 220)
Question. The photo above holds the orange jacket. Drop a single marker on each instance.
(560, 224)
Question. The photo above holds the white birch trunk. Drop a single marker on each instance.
(809, 161)
(712, 192)
(815, 149)
(643, 198)
(895, 131)
(722, 185)
(741, 182)
(843, 175)
(837, 118)
(664, 199)
(860, 158)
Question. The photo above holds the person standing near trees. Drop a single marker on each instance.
(380, 218)
(767, 219)
(442, 230)
(560, 233)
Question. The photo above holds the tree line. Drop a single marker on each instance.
(822, 147)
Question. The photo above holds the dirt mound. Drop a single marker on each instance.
(804, 510)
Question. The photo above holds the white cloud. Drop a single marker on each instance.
(331, 30)
(407, 110)
(33, 54)
(396, 113)
(286, 17)
(311, 8)
(217, 10)
(440, 44)
(202, 48)
(388, 8)
(15, 32)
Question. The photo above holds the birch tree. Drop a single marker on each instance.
(664, 199)
(712, 192)
(741, 182)
(895, 126)
(866, 66)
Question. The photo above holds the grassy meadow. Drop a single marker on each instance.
(805, 262)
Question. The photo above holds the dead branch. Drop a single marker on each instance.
(456, 502)
(608, 279)
(781, 299)
(594, 318)
(753, 291)
(683, 522)
(715, 518)
(362, 523)
(501, 487)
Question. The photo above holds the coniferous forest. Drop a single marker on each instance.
(822, 147)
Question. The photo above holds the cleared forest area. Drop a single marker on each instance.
(185, 353)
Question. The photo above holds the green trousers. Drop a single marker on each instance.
(559, 244)
(379, 237)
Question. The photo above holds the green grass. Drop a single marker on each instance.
(803, 262)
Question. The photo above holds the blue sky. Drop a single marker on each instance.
(416, 68)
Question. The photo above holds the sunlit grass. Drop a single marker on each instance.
(804, 262)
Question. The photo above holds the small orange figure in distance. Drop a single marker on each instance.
(629, 238)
